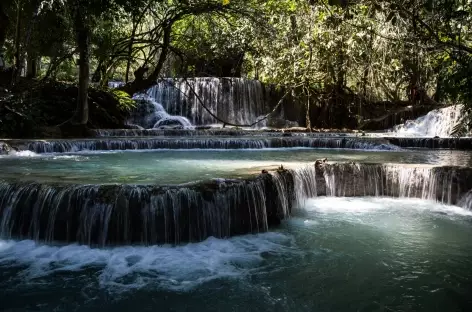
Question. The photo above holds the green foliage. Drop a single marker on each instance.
(126, 103)
(378, 50)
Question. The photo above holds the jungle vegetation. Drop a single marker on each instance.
(339, 54)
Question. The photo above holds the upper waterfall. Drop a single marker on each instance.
(149, 114)
(235, 100)
(238, 101)
(438, 122)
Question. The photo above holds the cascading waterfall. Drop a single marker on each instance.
(466, 200)
(150, 114)
(115, 84)
(445, 184)
(235, 100)
(305, 185)
(438, 122)
(103, 144)
(113, 214)
(124, 214)
(205, 131)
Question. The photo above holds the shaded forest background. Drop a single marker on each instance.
(357, 64)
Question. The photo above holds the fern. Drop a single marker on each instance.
(126, 103)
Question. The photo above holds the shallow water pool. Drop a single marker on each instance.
(173, 167)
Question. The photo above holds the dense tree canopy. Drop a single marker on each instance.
(329, 53)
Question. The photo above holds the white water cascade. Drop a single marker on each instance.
(150, 114)
(235, 100)
(438, 122)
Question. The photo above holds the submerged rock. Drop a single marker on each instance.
(172, 122)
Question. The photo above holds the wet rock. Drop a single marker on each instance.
(281, 123)
(5, 148)
(203, 127)
(134, 126)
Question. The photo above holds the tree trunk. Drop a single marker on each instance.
(307, 116)
(83, 44)
(26, 44)
(100, 71)
(32, 66)
(17, 58)
(4, 23)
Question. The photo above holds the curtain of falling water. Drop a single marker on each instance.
(236, 100)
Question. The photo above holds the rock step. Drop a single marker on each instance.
(100, 215)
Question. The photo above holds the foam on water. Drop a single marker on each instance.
(54, 156)
(153, 115)
(24, 154)
(362, 205)
(153, 143)
(438, 122)
(120, 269)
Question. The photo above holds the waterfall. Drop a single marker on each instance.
(466, 200)
(210, 131)
(147, 214)
(150, 114)
(125, 214)
(438, 122)
(236, 100)
(137, 143)
(445, 184)
(115, 84)
(305, 185)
